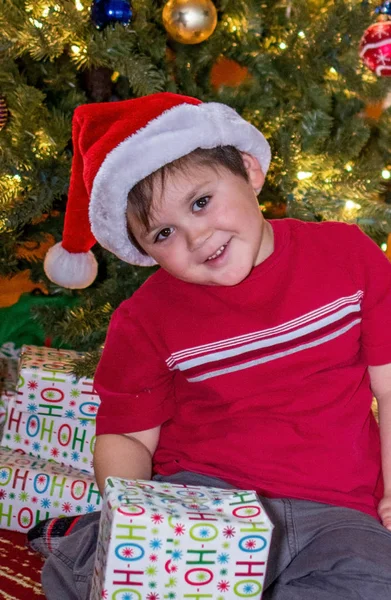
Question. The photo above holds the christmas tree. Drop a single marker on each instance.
(291, 68)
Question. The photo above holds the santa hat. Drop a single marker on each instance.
(116, 145)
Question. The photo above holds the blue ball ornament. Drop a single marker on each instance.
(104, 12)
(384, 9)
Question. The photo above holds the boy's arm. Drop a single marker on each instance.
(381, 386)
(128, 456)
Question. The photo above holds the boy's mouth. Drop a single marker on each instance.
(218, 253)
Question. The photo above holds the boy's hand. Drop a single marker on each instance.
(384, 510)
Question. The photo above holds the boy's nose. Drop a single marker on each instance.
(197, 236)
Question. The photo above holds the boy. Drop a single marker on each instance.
(247, 360)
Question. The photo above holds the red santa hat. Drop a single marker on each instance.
(116, 145)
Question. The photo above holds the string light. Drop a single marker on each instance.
(75, 49)
(384, 247)
(350, 205)
(283, 46)
(348, 167)
(386, 174)
(304, 175)
(36, 23)
(332, 74)
(78, 5)
(234, 24)
(12, 183)
(301, 34)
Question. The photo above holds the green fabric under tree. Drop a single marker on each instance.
(19, 326)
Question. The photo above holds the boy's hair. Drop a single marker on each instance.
(140, 196)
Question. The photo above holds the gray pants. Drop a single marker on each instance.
(318, 552)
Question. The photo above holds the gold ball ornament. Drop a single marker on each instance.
(190, 21)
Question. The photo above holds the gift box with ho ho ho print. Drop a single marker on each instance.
(67, 441)
(47, 386)
(9, 360)
(33, 489)
(161, 540)
(52, 415)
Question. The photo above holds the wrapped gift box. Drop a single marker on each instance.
(67, 441)
(160, 540)
(9, 359)
(46, 385)
(33, 489)
(5, 398)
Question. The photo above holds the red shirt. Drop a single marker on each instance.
(263, 384)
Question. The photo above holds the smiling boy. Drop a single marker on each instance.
(199, 231)
(247, 360)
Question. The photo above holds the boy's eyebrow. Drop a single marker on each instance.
(187, 198)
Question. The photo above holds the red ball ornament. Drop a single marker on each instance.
(375, 48)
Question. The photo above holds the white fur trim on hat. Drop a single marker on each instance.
(73, 270)
(175, 133)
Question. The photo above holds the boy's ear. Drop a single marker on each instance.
(254, 171)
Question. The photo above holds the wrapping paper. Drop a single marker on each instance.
(9, 359)
(67, 441)
(33, 489)
(47, 386)
(160, 540)
(52, 415)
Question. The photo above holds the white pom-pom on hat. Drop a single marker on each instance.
(73, 270)
(116, 145)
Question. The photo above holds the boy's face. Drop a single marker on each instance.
(206, 226)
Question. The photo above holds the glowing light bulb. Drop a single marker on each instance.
(283, 46)
(350, 205)
(36, 23)
(386, 174)
(301, 34)
(78, 5)
(384, 247)
(348, 167)
(304, 175)
(75, 49)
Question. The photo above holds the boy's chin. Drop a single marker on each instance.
(227, 278)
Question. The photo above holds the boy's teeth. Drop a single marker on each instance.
(217, 253)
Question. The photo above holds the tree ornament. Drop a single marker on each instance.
(190, 21)
(3, 112)
(375, 48)
(383, 9)
(229, 73)
(104, 12)
(374, 110)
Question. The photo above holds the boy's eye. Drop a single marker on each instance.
(164, 234)
(200, 203)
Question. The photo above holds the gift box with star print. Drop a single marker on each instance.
(33, 489)
(52, 414)
(67, 441)
(160, 540)
(9, 359)
(46, 385)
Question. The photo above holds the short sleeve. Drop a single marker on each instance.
(132, 379)
(376, 305)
